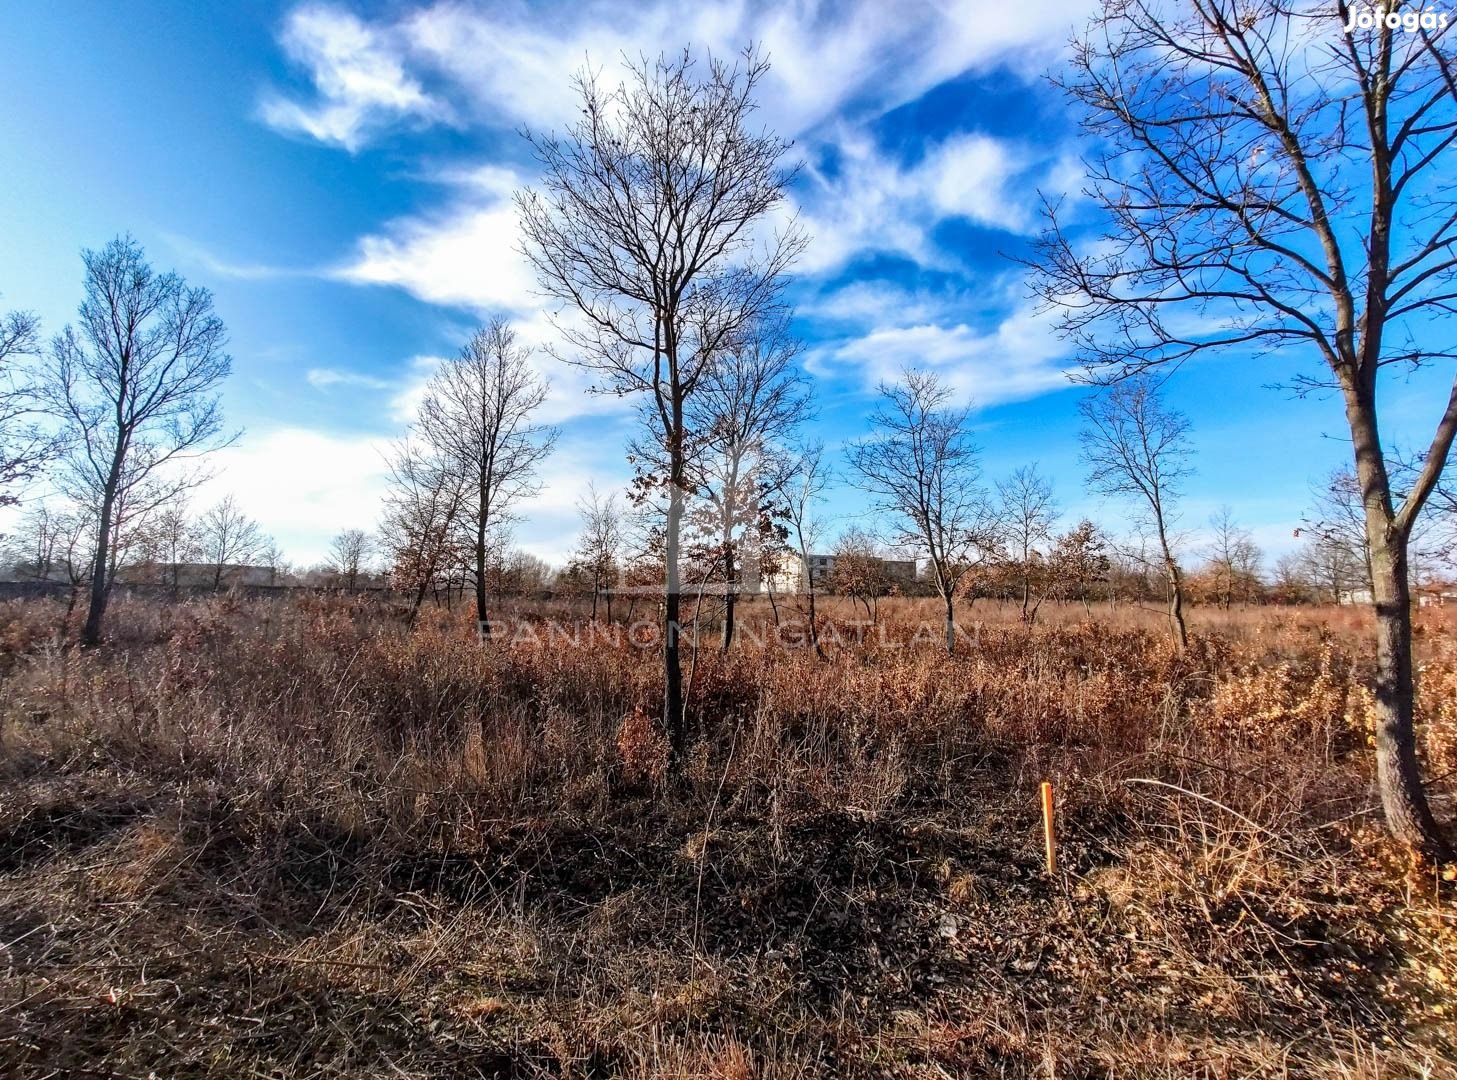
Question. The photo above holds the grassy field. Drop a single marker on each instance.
(297, 838)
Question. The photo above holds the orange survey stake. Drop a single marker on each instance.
(1049, 833)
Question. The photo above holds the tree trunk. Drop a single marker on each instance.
(1176, 588)
(1176, 608)
(950, 624)
(672, 670)
(420, 599)
(728, 597)
(483, 626)
(809, 584)
(1398, 774)
(91, 632)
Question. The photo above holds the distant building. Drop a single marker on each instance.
(1354, 596)
(796, 574)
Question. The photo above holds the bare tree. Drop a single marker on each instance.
(1234, 560)
(273, 558)
(1137, 449)
(136, 387)
(802, 494)
(478, 413)
(1337, 518)
(748, 405)
(599, 549)
(1328, 570)
(1026, 515)
(645, 228)
(171, 541)
(227, 538)
(25, 445)
(53, 543)
(1275, 181)
(348, 552)
(922, 465)
(32, 551)
(518, 573)
(421, 524)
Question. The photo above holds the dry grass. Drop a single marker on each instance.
(298, 839)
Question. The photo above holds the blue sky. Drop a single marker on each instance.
(340, 176)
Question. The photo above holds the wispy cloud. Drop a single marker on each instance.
(324, 378)
(999, 350)
(872, 204)
(359, 75)
(505, 65)
(223, 267)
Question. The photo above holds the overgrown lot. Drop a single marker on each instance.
(299, 838)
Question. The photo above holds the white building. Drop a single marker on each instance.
(795, 575)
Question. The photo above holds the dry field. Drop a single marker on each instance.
(295, 838)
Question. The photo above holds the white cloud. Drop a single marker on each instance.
(873, 204)
(468, 255)
(847, 63)
(1018, 358)
(410, 391)
(508, 65)
(302, 486)
(359, 74)
(228, 268)
(870, 303)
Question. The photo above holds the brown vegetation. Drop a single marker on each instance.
(265, 838)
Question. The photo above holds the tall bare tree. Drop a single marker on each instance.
(135, 384)
(1276, 181)
(225, 538)
(53, 543)
(1026, 515)
(272, 556)
(923, 467)
(646, 227)
(1138, 449)
(32, 551)
(1337, 519)
(479, 413)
